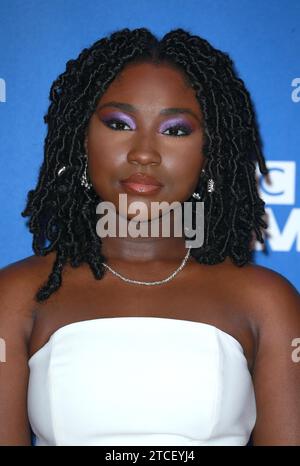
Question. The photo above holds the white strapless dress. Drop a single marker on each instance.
(140, 381)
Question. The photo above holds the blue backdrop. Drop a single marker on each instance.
(262, 37)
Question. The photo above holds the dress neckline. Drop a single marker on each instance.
(65, 327)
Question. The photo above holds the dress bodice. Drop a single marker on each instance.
(140, 381)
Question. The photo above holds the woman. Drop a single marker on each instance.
(124, 340)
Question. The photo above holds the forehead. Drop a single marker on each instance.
(151, 84)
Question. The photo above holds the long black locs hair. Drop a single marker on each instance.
(62, 213)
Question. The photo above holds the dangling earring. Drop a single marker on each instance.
(84, 177)
(197, 196)
(210, 185)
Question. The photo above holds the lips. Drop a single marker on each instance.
(142, 178)
(141, 183)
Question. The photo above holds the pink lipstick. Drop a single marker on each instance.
(141, 183)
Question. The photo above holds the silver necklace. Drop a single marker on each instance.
(159, 282)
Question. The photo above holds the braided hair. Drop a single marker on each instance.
(62, 214)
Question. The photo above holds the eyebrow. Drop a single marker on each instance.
(164, 111)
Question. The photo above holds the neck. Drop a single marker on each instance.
(145, 248)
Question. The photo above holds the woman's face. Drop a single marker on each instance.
(167, 146)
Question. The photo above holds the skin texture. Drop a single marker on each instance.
(255, 305)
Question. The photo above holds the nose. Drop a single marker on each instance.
(144, 154)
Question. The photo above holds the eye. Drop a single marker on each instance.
(119, 124)
(186, 131)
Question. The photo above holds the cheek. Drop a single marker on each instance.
(102, 175)
(194, 161)
(105, 155)
(185, 166)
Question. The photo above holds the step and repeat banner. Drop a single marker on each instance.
(38, 37)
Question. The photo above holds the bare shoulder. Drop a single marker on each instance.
(261, 292)
(18, 279)
(19, 282)
(33, 265)
(268, 278)
(18, 286)
(272, 302)
(273, 305)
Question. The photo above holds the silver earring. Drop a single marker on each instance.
(210, 185)
(84, 177)
(210, 189)
(197, 196)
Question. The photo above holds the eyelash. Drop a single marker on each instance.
(176, 127)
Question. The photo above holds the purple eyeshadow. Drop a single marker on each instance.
(120, 116)
(176, 122)
(165, 125)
